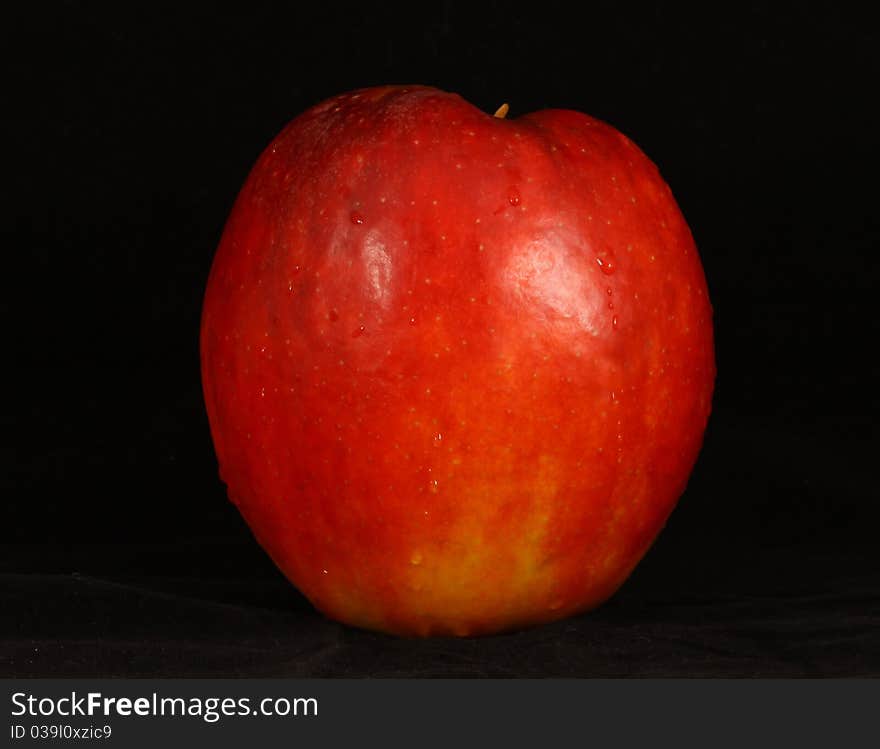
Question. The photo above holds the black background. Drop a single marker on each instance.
(128, 131)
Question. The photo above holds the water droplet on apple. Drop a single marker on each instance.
(416, 558)
(614, 322)
(359, 332)
(513, 196)
(357, 217)
(438, 438)
(606, 264)
(333, 315)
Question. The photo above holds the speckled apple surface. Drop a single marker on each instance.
(457, 367)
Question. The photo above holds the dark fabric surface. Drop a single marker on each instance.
(809, 617)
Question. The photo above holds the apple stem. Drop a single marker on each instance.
(502, 111)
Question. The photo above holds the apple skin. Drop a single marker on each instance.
(457, 368)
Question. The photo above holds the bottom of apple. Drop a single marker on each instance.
(493, 613)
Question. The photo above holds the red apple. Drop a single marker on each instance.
(457, 367)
